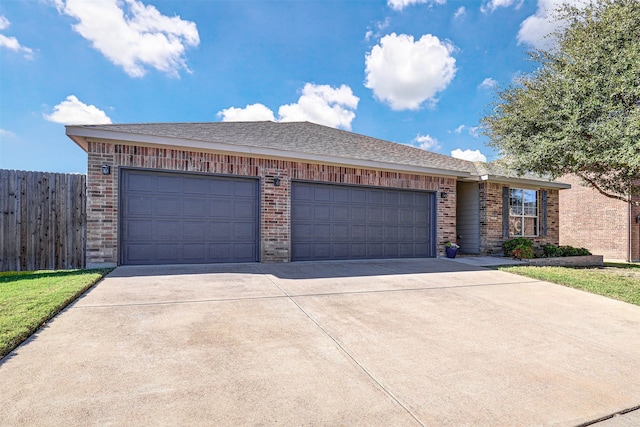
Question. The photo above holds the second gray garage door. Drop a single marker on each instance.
(348, 222)
(177, 218)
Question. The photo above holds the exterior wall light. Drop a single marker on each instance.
(106, 170)
(276, 182)
(443, 195)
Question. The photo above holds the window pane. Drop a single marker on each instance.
(515, 201)
(515, 226)
(530, 203)
(530, 226)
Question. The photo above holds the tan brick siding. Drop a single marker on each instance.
(491, 237)
(102, 208)
(598, 223)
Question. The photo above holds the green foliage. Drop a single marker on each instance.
(511, 244)
(552, 251)
(28, 299)
(522, 252)
(612, 283)
(579, 112)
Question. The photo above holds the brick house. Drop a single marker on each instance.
(601, 224)
(169, 193)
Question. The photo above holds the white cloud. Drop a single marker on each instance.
(132, 35)
(379, 27)
(6, 133)
(320, 104)
(535, 28)
(74, 112)
(12, 43)
(488, 83)
(474, 131)
(471, 155)
(426, 142)
(460, 12)
(250, 113)
(405, 73)
(401, 4)
(459, 129)
(492, 5)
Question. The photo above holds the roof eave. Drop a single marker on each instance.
(79, 135)
(524, 181)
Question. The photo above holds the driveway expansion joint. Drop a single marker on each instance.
(346, 352)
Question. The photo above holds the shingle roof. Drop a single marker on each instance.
(297, 140)
(296, 137)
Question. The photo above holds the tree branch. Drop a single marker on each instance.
(592, 183)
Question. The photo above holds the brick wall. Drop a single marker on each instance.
(102, 206)
(491, 238)
(597, 222)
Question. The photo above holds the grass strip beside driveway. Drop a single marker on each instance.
(618, 281)
(29, 299)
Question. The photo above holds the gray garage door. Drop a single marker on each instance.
(173, 218)
(345, 222)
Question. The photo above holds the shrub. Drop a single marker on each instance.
(522, 252)
(552, 251)
(511, 244)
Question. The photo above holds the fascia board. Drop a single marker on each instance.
(524, 181)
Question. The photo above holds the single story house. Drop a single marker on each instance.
(605, 226)
(169, 193)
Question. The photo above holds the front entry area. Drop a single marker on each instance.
(180, 218)
(333, 222)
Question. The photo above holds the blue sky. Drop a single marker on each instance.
(418, 72)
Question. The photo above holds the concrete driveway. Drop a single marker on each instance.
(388, 343)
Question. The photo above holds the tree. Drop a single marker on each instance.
(579, 111)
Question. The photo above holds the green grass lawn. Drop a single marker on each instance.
(29, 299)
(619, 281)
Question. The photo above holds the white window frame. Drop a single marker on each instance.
(520, 211)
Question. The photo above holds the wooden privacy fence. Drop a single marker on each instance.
(42, 221)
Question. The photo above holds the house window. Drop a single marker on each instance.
(523, 212)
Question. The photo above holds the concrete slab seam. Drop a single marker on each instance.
(608, 417)
(345, 351)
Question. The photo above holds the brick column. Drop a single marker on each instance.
(102, 206)
(275, 215)
(447, 225)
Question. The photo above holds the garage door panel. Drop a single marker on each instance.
(243, 252)
(139, 205)
(195, 252)
(139, 182)
(222, 187)
(179, 218)
(358, 232)
(167, 207)
(244, 231)
(322, 232)
(140, 252)
(350, 222)
(169, 184)
(244, 209)
(167, 229)
(321, 213)
(194, 230)
(221, 208)
(195, 208)
(168, 252)
(139, 229)
(197, 186)
(244, 189)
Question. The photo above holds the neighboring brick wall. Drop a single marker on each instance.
(491, 238)
(597, 222)
(102, 206)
